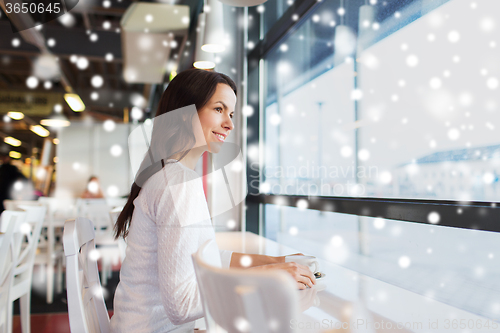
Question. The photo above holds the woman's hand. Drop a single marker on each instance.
(300, 273)
(282, 258)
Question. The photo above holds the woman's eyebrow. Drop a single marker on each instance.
(224, 105)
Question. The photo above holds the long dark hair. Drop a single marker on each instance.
(192, 86)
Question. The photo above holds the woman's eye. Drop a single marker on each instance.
(231, 116)
(218, 109)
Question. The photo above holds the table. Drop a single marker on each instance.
(352, 302)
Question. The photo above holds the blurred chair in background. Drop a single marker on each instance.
(49, 249)
(10, 247)
(22, 273)
(98, 211)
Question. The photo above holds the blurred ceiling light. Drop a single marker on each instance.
(12, 141)
(204, 64)
(202, 59)
(243, 3)
(55, 141)
(213, 39)
(39, 130)
(15, 115)
(57, 119)
(15, 154)
(75, 102)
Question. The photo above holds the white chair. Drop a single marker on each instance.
(86, 308)
(116, 202)
(49, 253)
(239, 300)
(23, 265)
(10, 247)
(98, 211)
(50, 248)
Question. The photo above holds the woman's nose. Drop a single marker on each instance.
(228, 124)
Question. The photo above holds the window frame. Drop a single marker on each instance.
(475, 215)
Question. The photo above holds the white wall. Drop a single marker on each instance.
(85, 150)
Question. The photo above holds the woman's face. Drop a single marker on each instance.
(215, 117)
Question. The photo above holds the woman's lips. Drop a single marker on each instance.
(219, 137)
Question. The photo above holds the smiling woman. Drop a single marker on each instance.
(166, 218)
(216, 116)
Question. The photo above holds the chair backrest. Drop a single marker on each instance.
(59, 206)
(35, 216)
(86, 308)
(14, 204)
(10, 245)
(239, 300)
(96, 210)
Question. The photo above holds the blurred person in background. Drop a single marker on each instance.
(11, 181)
(93, 189)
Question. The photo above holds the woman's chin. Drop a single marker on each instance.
(214, 147)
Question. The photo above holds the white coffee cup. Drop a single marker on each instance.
(309, 261)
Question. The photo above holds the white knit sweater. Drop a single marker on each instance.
(158, 291)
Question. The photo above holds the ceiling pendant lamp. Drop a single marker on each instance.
(57, 119)
(243, 3)
(75, 102)
(213, 39)
(39, 130)
(16, 115)
(202, 59)
(345, 39)
(12, 141)
(366, 26)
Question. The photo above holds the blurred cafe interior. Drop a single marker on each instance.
(367, 136)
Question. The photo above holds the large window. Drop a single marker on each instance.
(434, 84)
(394, 103)
(352, 109)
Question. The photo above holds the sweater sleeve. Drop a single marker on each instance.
(183, 221)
